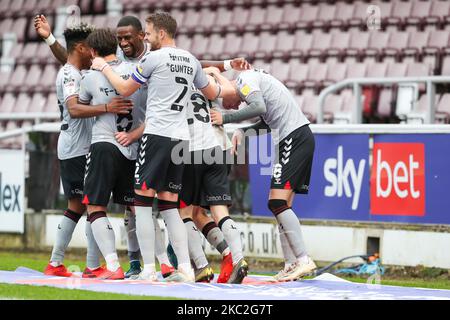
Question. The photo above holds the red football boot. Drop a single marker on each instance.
(59, 271)
(111, 275)
(225, 269)
(93, 273)
(166, 270)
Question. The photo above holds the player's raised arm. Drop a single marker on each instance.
(124, 87)
(44, 30)
(236, 64)
(246, 89)
(227, 88)
(80, 109)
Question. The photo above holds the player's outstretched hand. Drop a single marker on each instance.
(124, 138)
(120, 105)
(216, 117)
(240, 64)
(42, 26)
(236, 141)
(98, 64)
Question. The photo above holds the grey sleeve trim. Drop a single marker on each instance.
(256, 107)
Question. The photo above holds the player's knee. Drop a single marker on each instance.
(277, 206)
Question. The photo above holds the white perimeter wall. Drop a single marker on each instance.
(324, 243)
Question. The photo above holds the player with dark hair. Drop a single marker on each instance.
(269, 99)
(110, 166)
(169, 72)
(131, 48)
(73, 146)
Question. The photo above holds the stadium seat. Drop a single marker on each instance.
(310, 106)
(344, 13)
(420, 11)
(99, 6)
(358, 42)
(273, 19)
(207, 19)
(249, 45)
(335, 72)
(297, 72)
(324, 16)
(432, 53)
(284, 45)
(17, 79)
(238, 20)
(215, 47)
(396, 69)
(47, 83)
(256, 18)
(333, 104)
(443, 109)
(308, 15)
(223, 20)
(232, 46)
(4, 80)
(356, 70)
(418, 113)
(28, 54)
(302, 44)
(183, 42)
(280, 70)
(416, 69)
(358, 18)
(37, 103)
(8, 103)
(22, 103)
(52, 103)
(339, 42)
(384, 107)
(445, 66)
(199, 45)
(378, 41)
(316, 73)
(417, 40)
(291, 15)
(400, 12)
(440, 9)
(321, 41)
(397, 41)
(266, 46)
(190, 21)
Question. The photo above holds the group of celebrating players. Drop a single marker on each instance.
(143, 119)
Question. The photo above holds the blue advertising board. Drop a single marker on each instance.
(407, 181)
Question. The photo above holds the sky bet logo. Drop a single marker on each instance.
(9, 197)
(397, 183)
(344, 176)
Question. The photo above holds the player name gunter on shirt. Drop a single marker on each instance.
(179, 67)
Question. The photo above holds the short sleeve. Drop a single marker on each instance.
(71, 85)
(247, 83)
(200, 79)
(84, 96)
(144, 69)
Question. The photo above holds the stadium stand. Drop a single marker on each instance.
(307, 45)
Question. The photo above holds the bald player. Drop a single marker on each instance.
(267, 98)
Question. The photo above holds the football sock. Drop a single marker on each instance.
(105, 238)
(216, 238)
(233, 238)
(64, 235)
(196, 252)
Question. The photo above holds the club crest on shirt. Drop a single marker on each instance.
(245, 90)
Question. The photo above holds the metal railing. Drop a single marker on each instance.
(357, 83)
